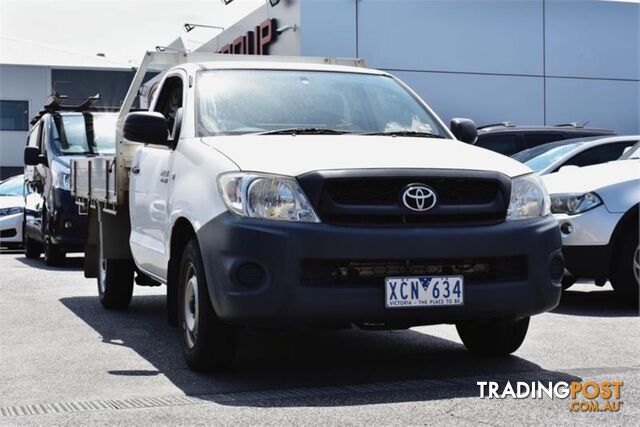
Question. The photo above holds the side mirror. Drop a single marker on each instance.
(146, 127)
(627, 149)
(32, 156)
(464, 130)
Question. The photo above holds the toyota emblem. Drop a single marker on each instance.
(419, 197)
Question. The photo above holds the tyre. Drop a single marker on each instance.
(493, 338)
(625, 268)
(32, 248)
(53, 254)
(208, 344)
(115, 281)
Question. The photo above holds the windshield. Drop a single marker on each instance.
(632, 153)
(71, 130)
(12, 186)
(232, 102)
(544, 159)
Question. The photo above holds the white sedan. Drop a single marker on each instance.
(11, 211)
(550, 157)
(597, 208)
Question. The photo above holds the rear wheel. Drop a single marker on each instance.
(495, 337)
(115, 281)
(207, 342)
(625, 269)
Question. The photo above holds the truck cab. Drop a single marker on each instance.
(60, 134)
(291, 191)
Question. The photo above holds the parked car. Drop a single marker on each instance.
(11, 210)
(60, 134)
(289, 191)
(550, 157)
(597, 208)
(509, 139)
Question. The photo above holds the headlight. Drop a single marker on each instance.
(10, 211)
(265, 196)
(572, 204)
(529, 198)
(60, 176)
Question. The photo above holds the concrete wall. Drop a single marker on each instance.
(20, 83)
(527, 61)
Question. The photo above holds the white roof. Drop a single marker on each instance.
(284, 63)
(24, 52)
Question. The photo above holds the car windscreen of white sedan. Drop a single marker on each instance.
(11, 208)
(549, 158)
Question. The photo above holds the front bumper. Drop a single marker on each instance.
(229, 241)
(11, 229)
(68, 227)
(586, 241)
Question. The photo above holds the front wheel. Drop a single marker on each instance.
(208, 343)
(495, 337)
(625, 271)
(53, 254)
(32, 248)
(115, 281)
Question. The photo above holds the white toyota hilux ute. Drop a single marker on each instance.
(597, 210)
(287, 191)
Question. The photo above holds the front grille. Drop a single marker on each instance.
(328, 273)
(387, 191)
(374, 197)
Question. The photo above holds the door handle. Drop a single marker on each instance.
(135, 170)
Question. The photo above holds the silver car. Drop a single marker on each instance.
(550, 157)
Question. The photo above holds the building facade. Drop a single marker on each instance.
(30, 73)
(527, 61)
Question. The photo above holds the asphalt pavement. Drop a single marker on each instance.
(66, 360)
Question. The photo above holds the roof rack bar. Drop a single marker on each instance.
(571, 124)
(505, 124)
(57, 100)
(87, 103)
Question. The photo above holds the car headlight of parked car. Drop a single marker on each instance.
(60, 176)
(265, 196)
(573, 204)
(529, 198)
(10, 211)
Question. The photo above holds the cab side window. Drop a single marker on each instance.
(169, 104)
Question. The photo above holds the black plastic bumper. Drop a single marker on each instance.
(68, 228)
(229, 241)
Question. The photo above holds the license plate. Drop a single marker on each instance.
(422, 291)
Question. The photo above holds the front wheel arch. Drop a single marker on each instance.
(627, 220)
(181, 233)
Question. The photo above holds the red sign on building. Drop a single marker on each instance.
(253, 42)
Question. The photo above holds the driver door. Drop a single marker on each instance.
(151, 179)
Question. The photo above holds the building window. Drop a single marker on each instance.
(14, 115)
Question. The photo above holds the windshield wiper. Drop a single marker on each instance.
(406, 133)
(304, 131)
